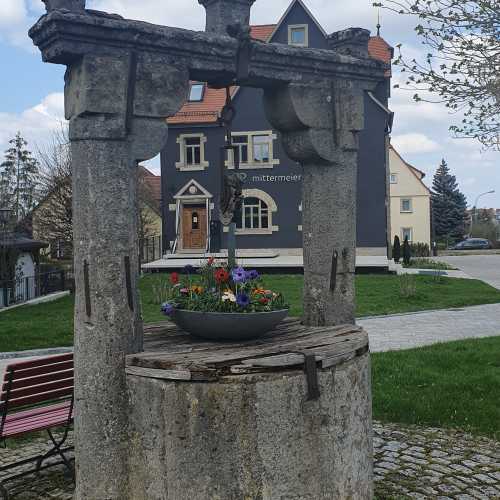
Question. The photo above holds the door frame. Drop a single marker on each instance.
(204, 205)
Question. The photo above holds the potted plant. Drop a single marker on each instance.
(220, 303)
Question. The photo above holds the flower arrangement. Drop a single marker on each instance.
(218, 288)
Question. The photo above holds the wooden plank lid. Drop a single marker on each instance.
(171, 354)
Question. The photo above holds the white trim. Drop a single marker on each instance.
(254, 166)
(181, 164)
(306, 34)
(403, 199)
(262, 195)
(205, 194)
(309, 13)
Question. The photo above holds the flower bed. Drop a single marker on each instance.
(217, 288)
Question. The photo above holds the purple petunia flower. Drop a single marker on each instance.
(167, 309)
(239, 275)
(252, 275)
(189, 270)
(243, 300)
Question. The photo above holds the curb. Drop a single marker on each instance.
(35, 352)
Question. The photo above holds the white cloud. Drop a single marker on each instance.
(36, 124)
(414, 143)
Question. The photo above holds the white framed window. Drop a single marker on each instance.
(196, 92)
(407, 232)
(192, 152)
(394, 178)
(256, 215)
(298, 35)
(406, 205)
(253, 150)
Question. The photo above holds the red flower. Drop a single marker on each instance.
(210, 261)
(264, 300)
(174, 278)
(221, 276)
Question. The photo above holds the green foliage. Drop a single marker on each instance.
(448, 205)
(454, 385)
(461, 65)
(406, 252)
(396, 250)
(420, 250)
(18, 178)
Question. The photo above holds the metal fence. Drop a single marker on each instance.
(150, 249)
(25, 288)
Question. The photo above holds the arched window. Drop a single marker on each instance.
(254, 214)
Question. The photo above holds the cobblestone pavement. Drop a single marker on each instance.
(410, 462)
(414, 462)
(405, 331)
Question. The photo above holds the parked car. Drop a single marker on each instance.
(473, 244)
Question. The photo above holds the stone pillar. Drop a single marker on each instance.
(223, 13)
(319, 123)
(116, 105)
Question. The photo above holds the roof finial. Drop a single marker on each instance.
(378, 22)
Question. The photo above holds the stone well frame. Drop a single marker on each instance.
(123, 79)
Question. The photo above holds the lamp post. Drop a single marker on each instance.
(492, 191)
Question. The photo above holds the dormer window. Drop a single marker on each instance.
(298, 35)
(196, 92)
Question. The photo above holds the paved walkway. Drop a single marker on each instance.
(406, 331)
(410, 462)
(483, 267)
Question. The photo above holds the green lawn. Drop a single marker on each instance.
(455, 385)
(51, 324)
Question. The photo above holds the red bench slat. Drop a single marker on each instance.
(40, 370)
(34, 390)
(41, 379)
(48, 360)
(45, 385)
(40, 398)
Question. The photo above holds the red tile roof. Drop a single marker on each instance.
(153, 183)
(207, 111)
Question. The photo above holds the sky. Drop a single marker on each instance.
(31, 92)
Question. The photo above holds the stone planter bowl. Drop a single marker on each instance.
(228, 326)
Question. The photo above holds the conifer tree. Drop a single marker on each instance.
(396, 252)
(449, 205)
(18, 178)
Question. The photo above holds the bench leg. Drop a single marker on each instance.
(56, 450)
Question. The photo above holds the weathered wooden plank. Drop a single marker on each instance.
(158, 374)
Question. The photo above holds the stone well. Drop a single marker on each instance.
(251, 430)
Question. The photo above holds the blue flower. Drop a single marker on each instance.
(239, 275)
(189, 269)
(243, 300)
(167, 309)
(252, 275)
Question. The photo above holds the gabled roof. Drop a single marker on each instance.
(207, 111)
(153, 185)
(415, 171)
(308, 12)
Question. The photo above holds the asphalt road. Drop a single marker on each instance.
(483, 267)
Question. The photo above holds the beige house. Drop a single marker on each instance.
(410, 201)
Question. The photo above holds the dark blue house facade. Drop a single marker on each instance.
(271, 215)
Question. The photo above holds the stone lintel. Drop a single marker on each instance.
(64, 36)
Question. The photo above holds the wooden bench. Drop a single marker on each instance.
(37, 396)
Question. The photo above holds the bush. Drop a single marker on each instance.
(420, 250)
(396, 250)
(406, 252)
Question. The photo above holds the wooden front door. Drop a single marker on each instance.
(194, 228)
